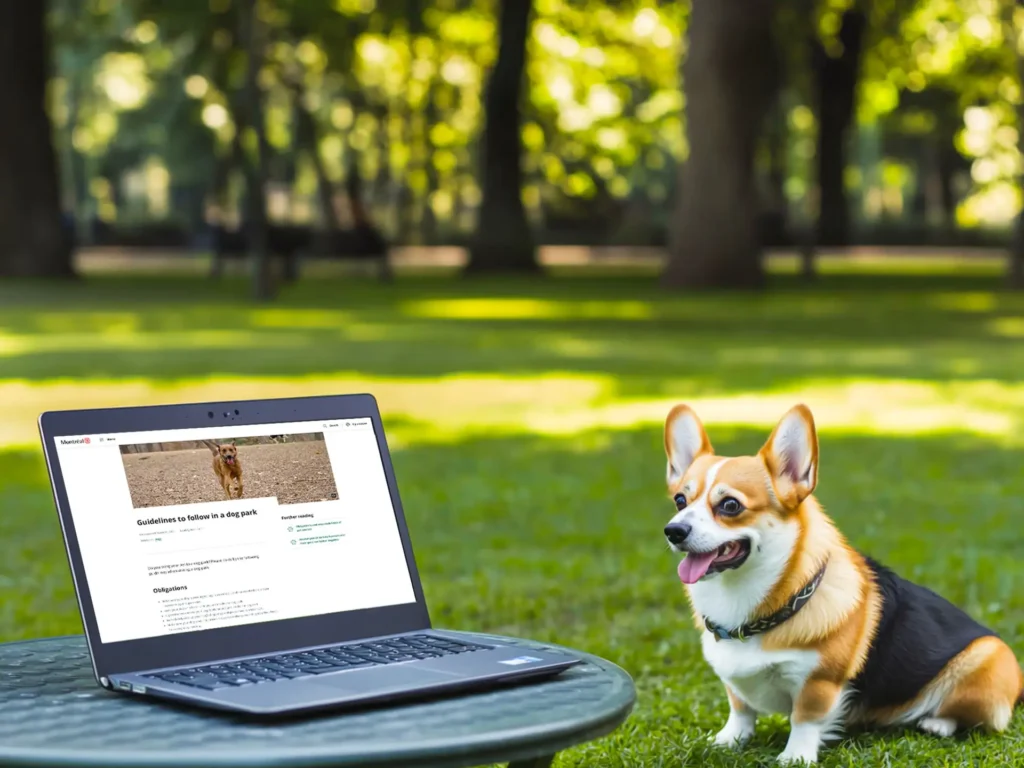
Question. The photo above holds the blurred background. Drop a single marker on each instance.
(530, 228)
(810, 123)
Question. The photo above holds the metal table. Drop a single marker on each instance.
(53, 713)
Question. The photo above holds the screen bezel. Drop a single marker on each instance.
(187, 648)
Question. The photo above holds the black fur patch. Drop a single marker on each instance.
(918, 634)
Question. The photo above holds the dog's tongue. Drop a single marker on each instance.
(695, 565)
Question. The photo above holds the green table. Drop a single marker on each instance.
(52, 713)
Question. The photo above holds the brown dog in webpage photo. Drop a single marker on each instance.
(795, 620)
(291, 468)
(227, 466)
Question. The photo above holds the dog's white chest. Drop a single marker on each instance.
(767, 681)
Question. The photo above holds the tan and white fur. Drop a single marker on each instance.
(804, 667)
(227, 467)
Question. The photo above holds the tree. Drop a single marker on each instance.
(503, 241)
(1016, 272)
(33, 240)
(256, 168)
(308, 139)
(730, 78)
(836, 79)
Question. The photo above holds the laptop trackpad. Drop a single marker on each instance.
(382, 679)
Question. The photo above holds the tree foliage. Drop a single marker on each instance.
(145, 106)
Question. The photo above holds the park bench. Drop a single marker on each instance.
(288, 243)
(291, 244)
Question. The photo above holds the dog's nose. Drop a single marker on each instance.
(676, 533)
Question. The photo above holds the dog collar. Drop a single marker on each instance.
(795, 603)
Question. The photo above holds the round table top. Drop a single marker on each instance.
(53, 712)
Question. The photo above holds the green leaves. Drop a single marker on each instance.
(605, 105)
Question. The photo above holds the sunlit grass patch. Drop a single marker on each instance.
(126, 340)
(862, 407)
(550, 357)
(446, 405)
(966, 301)
(453, 407)
(870, 261)
(523, 309)
(1008, 327)
(295, 317)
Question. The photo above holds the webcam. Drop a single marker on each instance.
(227, 414)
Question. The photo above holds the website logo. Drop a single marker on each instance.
(76, 441)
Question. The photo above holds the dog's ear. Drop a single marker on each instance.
(791, 455)
(685, 440)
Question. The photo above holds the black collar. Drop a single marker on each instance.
(756, 627)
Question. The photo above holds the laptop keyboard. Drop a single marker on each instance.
(287, 666)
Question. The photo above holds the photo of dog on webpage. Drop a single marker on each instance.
(293, 468)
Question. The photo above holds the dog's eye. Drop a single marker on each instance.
(680, 501)
(729, 507)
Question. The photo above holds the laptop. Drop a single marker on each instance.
(254, 557)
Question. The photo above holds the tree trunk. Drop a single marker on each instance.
(503, 242)
(232, 158)
(76, 189)
(33, 239)
(947, 166)
(1015, 275)
(256, 171)
(309, 139)
(229, 158)
(836, 83)
(730, 79)
(778, 139)
(428, 223)
(382, 181)
(354, 192)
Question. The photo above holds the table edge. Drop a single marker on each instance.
(514, 745)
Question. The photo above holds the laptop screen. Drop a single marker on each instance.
(193, 529)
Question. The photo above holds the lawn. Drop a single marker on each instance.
(526, 419)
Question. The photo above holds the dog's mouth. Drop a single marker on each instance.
(696, 565)
(229, 459)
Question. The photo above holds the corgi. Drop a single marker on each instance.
(794, 620)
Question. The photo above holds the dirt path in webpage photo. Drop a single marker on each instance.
(293, 472)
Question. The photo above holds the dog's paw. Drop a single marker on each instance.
(793, 757)
(730, 738)
(802, 747)
(938, 726)
(736, 733)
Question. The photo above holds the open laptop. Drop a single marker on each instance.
(254, 557)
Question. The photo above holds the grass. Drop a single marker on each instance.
(527, 418)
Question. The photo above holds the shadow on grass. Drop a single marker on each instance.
(936, 329)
